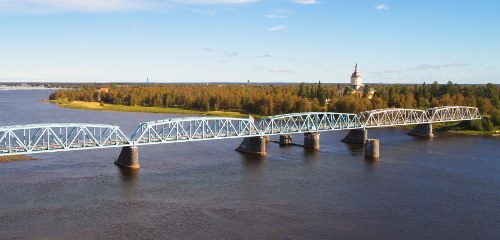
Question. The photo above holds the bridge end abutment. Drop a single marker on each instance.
(422, 130)
(311, 140)
(356, 136)
(253, 145)
(372, 148)
(129, 158)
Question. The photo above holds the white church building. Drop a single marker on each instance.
(357, 80)
(357, 86)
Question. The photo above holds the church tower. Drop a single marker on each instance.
(356, 80)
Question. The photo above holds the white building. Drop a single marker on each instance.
(356, 80)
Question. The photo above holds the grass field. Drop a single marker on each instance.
(15, 158)
(123, 108)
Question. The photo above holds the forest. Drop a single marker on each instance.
(265, 99)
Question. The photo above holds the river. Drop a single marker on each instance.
(447, 187)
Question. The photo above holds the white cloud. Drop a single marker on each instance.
(305, 2)
(265, 56)
(49, 6)
(439, 66)
(273, 69)
(221, 2)
(276, 28)
(382, 7)
(276, 16)
(208, 49)
(205, 12)
(278, 70)
(280, 13)
(231, 54)
(54, 6)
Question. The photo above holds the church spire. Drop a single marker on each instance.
(356, 68)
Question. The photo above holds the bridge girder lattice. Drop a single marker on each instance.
(38, 138)
(400, 116)
(59, 137)
(308, 122)
(193, 129)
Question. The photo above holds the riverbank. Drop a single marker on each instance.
(454, 127)
(15, 158)
(123, 108)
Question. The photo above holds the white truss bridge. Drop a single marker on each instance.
(40, 138)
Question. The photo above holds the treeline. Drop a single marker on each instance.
(279, 99)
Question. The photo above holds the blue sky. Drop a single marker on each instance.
(258, 40)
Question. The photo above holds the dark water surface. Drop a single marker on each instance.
(447, 187)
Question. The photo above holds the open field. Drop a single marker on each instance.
(123, 108)
(15, 158)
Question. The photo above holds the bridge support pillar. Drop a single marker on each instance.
(253, 145)
(422, 130)
(356, 136)
(285, 139)
(311, 140)
(372, 148)
(129, 158)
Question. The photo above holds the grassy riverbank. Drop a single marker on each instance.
(455, 127)
(123, 108)
(15, 158)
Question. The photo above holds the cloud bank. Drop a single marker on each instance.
(54, 6)
(439, 66)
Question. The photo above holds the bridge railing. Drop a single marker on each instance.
(308, 122)
(59, 137)
(193, 129)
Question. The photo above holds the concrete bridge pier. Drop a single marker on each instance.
(311, 140)
(356, 136)
(253, 145)
(129, 158)
(372, 148)
(422, 130)
(285, 139)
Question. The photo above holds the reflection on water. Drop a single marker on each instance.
(355, 149)
(129, 183)
(128, 174)
(371, 164)
(253, 164)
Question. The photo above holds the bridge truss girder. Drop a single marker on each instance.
(308, 122)
(193, 129)
(393, 117)
(76, 136)
(59, 137)
(452, 113)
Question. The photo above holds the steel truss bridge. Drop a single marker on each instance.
(40, 138)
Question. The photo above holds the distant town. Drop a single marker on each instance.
(27, 86)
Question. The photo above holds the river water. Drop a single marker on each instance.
(447, 187)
